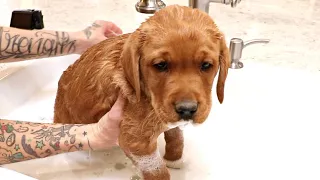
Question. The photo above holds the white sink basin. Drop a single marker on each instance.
(10, 174)
(267, 128)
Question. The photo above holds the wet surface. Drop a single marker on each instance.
(119, 166)
(135, 177)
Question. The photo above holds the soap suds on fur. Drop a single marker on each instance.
(150, 162)
(181, 124)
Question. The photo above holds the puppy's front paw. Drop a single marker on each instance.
(177, 164)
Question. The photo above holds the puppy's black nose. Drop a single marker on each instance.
(186, 109)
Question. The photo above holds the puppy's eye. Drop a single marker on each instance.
(205, 66)
(162, 66)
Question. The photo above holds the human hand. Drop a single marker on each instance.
(106, 131)
(97, 32)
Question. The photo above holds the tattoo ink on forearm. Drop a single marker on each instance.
(42, 44)
(88, 32)
(20, 141)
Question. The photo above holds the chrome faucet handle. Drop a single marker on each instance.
(149, 6)
(233, 3)
(236, 47)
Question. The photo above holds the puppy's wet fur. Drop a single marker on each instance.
(171, 59)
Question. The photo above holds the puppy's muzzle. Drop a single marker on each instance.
(186, 109)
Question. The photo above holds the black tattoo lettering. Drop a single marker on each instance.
(16, 46)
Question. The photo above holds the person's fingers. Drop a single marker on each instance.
(109, 25)
(109, 29)
(111, 34)
(113, 27)
(117, 30)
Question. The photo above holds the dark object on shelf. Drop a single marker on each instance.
(27, 19)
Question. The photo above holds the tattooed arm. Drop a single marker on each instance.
(21, 141)
(18, 44)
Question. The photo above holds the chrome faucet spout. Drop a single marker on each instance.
(254, 41)
(236, 47)
(151, 6)
(200, 4)
(204, 4)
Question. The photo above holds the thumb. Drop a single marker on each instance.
(117, 109)
(113, 118)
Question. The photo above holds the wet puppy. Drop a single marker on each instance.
(165, 70)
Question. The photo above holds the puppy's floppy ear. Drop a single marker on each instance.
(224, 60)
(130, 60)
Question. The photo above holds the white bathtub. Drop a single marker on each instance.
(267, 128)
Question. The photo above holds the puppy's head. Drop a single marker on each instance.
(173, 59)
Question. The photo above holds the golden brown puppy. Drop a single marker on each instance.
(165, 70)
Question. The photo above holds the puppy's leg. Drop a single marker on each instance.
(146, 157)
(174, 148)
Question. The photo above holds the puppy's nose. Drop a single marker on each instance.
(186, 109)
